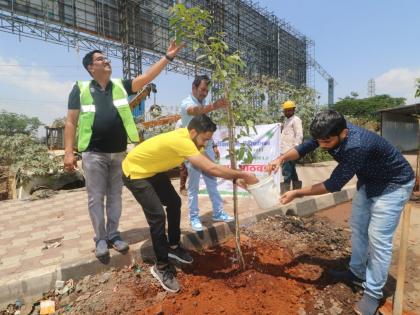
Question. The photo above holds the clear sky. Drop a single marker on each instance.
(354, 42)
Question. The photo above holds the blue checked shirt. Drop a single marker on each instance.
(376, 163)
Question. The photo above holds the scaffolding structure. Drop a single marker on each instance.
(137, 32)
(371, 90)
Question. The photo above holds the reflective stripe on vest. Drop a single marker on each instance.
(120, 102)
(88, 108)
(87, 113)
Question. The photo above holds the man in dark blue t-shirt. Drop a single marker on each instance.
(385, 183)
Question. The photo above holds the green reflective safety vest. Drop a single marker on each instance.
(87, 113)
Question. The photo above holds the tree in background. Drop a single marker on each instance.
(418, 88)
(367, 107)
(11, 124)
(19, 149)
(59, 122)
(259, 103)
(364, 112)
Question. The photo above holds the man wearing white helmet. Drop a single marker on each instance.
(291, 136)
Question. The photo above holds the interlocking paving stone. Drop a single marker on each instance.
(26, 225)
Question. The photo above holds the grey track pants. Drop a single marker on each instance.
(103, 179)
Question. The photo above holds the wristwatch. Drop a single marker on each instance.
(169, 58)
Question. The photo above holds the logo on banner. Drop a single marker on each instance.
(265, 147)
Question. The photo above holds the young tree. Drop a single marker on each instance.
(246, 95)
(192, 25)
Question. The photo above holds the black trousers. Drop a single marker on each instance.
(183, 174)
(152, 194)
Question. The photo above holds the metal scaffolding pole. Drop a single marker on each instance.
(137, 31)
(131, 53)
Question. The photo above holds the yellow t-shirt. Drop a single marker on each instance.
(159, 154)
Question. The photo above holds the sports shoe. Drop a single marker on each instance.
(101, 248)
(180, 254)
(118, 244)
(222, 216)
(166, 278)
(196, 224)
(346, 276)
(368, 305)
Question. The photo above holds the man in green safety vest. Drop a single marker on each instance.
(98, 109)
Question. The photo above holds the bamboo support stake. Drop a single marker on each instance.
(402, 261)
(231, 132)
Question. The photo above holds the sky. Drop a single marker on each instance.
(354, 41)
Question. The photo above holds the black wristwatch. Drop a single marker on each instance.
(169, 58)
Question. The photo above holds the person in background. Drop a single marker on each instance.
(291, 136)
(193, 105)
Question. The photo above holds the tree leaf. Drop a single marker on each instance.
(201, 57)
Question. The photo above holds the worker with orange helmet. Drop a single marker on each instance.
(291, 136)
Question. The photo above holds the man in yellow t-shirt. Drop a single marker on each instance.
(144, 175)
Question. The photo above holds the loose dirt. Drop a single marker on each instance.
(287, 259)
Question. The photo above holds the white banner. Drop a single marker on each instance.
(265, 146)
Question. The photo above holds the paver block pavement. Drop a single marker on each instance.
(65, 216)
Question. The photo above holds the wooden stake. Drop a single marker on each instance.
(402, 260)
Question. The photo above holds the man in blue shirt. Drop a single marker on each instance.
(193, 105)
(385, 183)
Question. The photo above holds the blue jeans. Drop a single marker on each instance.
(211, 185)
(373, 224)
(289, 172)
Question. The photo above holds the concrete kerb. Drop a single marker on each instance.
(29, 286)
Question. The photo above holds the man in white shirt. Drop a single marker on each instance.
(194, 105)
(291, 136)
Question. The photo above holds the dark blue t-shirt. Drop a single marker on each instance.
(376, 163)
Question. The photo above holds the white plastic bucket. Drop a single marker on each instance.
(265, 192)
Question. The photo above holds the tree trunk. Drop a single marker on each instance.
(232, 156)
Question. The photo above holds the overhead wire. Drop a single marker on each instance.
(41, 66)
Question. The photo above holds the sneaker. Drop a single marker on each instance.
(118, 244)
(196, 224)
(166, 278)
(346, 276)
(101, 248)
(180, 254)
(222, 217)
(368, 305)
